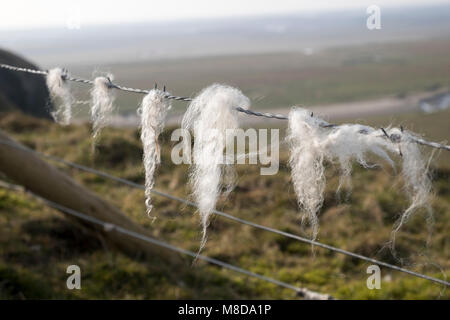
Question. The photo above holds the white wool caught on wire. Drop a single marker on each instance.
(312, 142)
(353, 142)
(102, 95)
(60, 90)
(153, 112)
(211, 116)
(415, 172)
(306, 163)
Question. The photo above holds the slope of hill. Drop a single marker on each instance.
(25, 92)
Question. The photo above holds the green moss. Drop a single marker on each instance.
(18, 283)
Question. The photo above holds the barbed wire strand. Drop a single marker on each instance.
(109, 227)
(229, 216)
(188, 99)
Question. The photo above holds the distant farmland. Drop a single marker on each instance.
(281, 80)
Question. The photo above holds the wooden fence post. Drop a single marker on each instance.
(28, 169)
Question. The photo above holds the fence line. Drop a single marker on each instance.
(187, 99)
(109, 227)
(229, 216)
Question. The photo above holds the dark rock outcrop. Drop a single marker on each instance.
(22, 91)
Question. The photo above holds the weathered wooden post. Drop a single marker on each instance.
(28, 169)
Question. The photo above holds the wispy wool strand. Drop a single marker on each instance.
(306, 163)
(415, 172)
(60, 90)
(311, 143)
(153, 112)
(102, 95)
(211, 116)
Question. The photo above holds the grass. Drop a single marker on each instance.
(38, 243)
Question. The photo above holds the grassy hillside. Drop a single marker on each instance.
(38, 243)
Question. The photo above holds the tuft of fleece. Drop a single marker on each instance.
(311, 142)
(102, 104)
(153, 112)
(306, 163)
(415, 172)
(212, 116)
(60, 90)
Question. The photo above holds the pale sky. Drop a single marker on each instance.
(19, 14)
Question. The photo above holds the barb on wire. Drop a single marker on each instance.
(229, 216)
(188, 99)
(110, 227)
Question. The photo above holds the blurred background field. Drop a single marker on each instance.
(321, 62)
(278, 80)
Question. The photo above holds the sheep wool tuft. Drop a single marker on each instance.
(415, 172)
(60, 90)
(153, 113)
(211, 116)
(312, 141)
(102, 95)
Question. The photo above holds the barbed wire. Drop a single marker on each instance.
(267, 115)
(14, 68)
(110, 227)
(228, 216)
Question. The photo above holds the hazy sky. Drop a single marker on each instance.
(19, 14)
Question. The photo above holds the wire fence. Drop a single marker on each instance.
(188, 99)
(305, 292)
(110, 227)
(231, 217)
